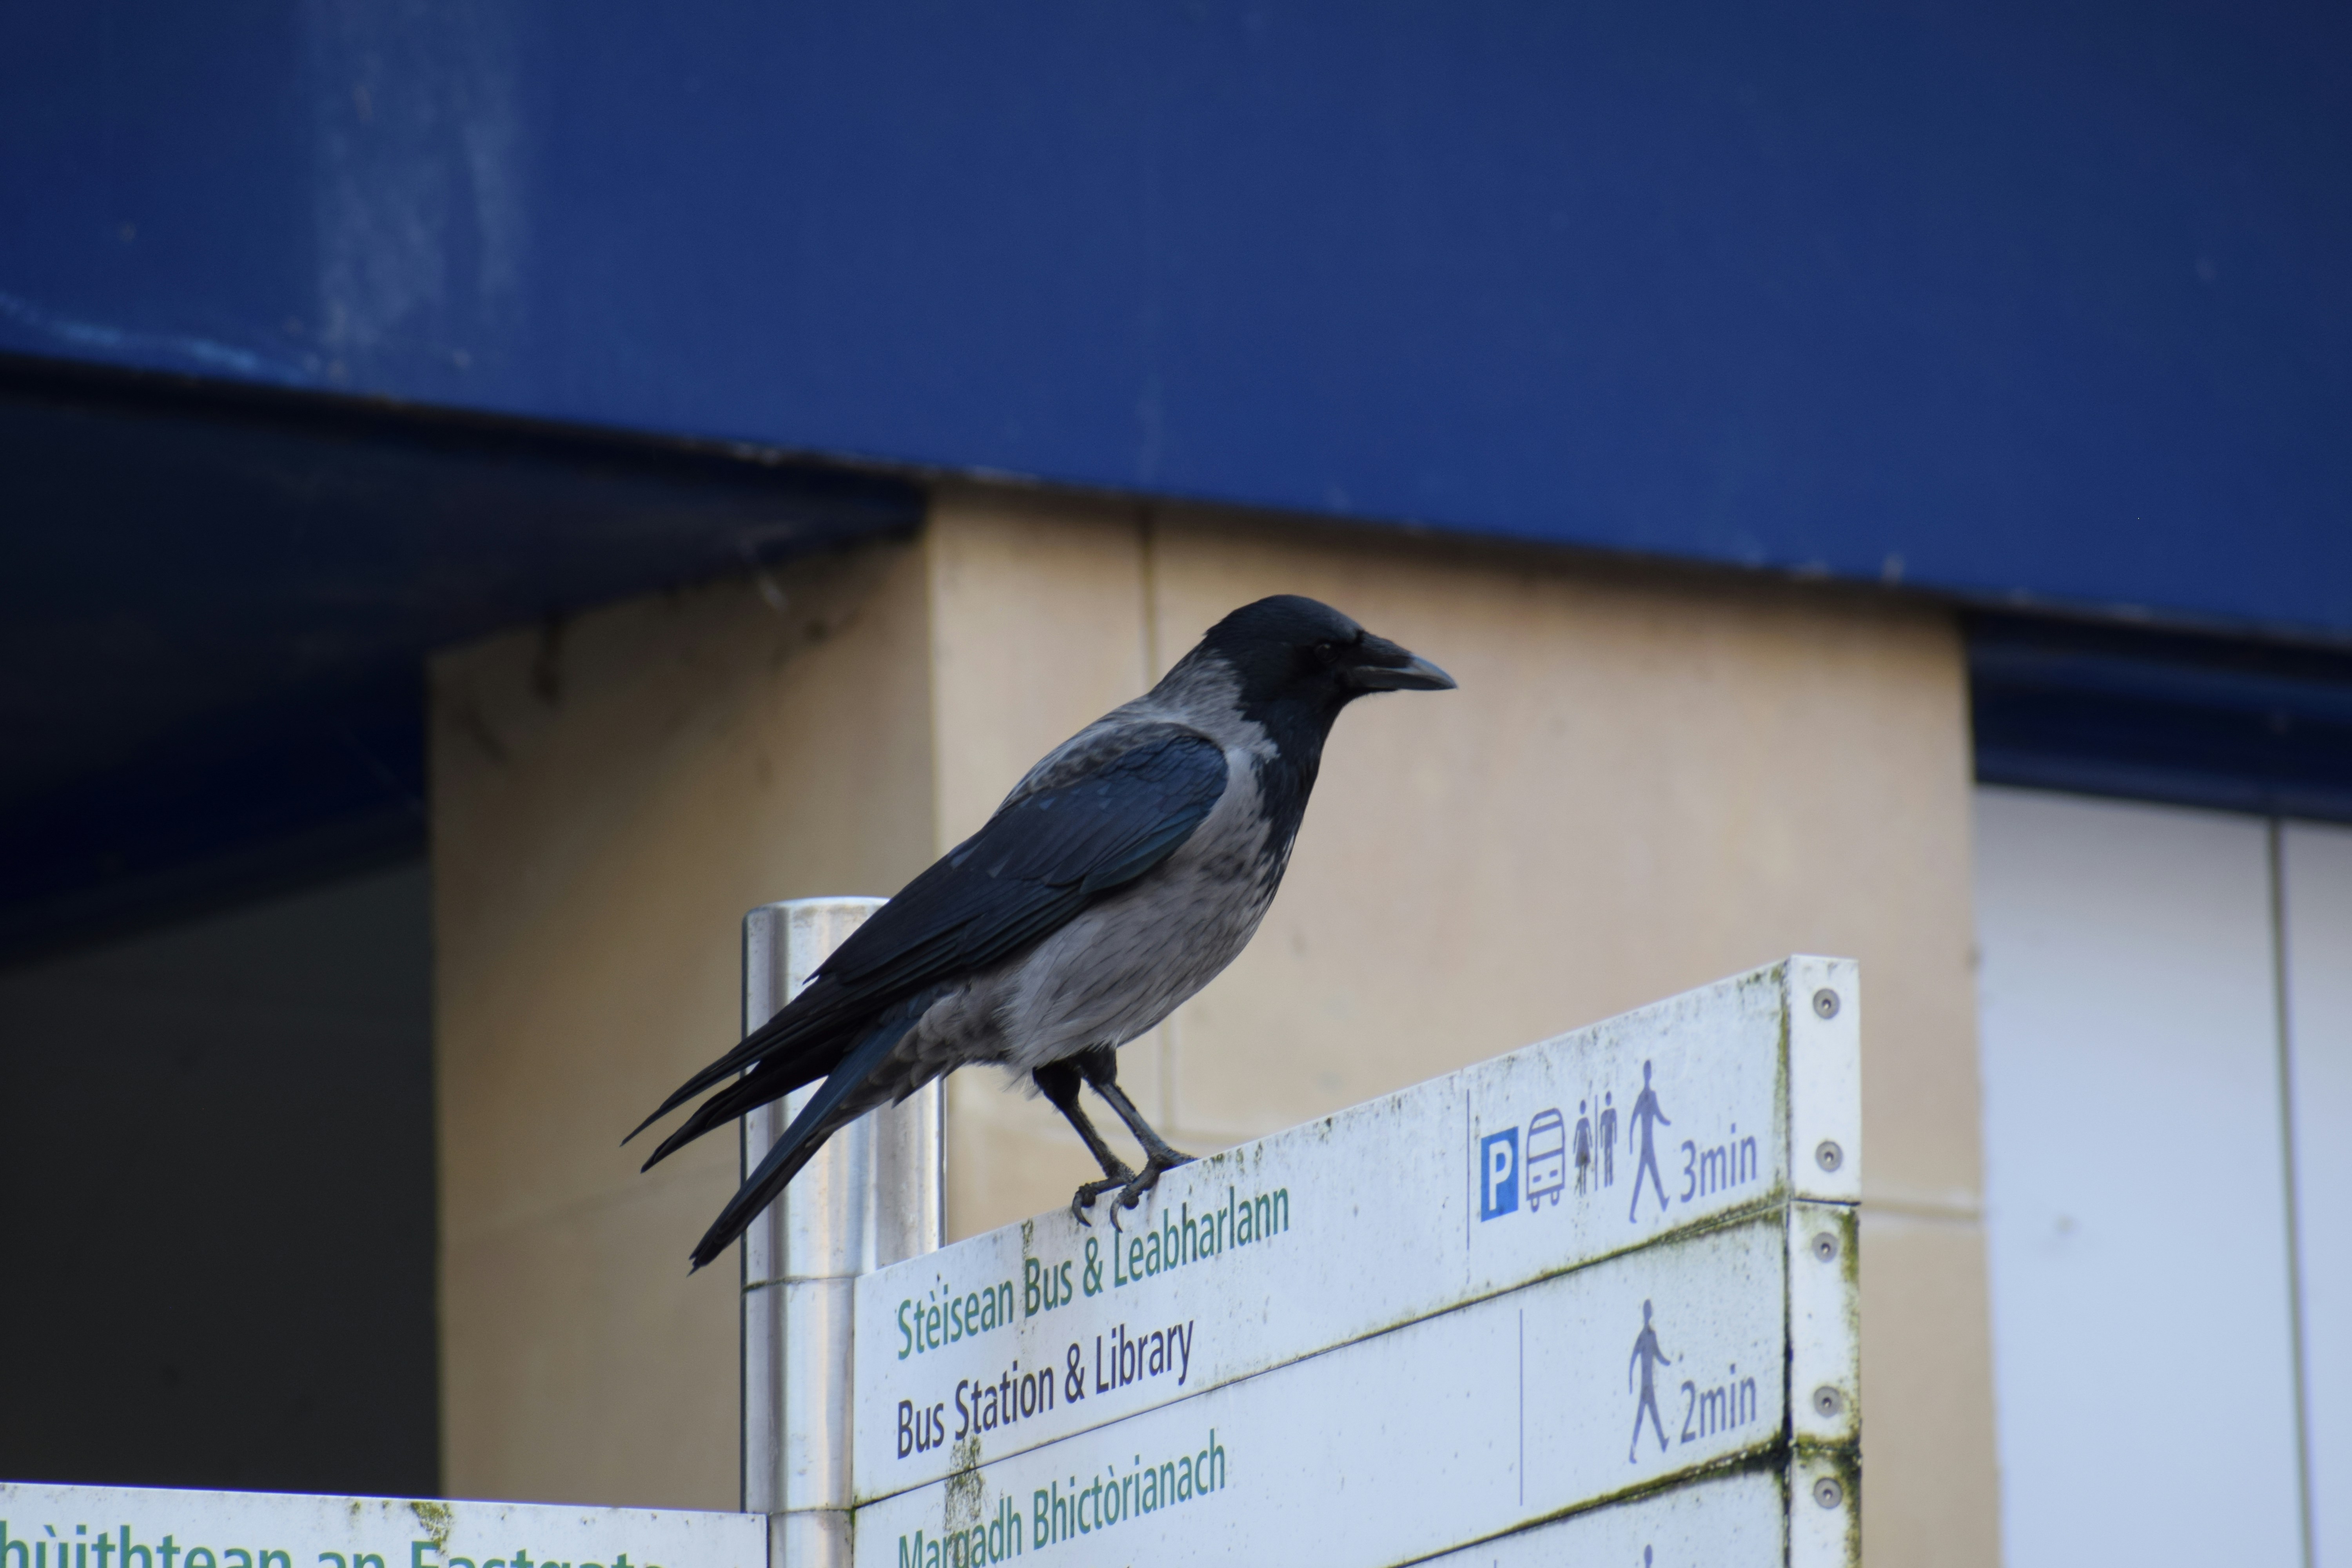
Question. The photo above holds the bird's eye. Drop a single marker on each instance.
(1324, 650)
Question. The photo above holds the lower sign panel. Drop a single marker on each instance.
(1455, 1428)
(83, 1527)
(1751, 1518)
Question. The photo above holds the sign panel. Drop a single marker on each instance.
(1775, 1517)
(1650, 1125)
(1579, 1389)
(139, 1527)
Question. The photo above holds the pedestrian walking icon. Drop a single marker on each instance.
(1642, 1123)
(1647, 1358)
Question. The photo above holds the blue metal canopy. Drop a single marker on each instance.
(2038, 301)
(2040, 305)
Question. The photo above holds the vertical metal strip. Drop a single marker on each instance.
(1821, 1076)
(2281, 991)
(875, 1195)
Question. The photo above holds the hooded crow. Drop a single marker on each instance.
(1119, 878)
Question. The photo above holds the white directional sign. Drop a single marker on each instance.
(1552, 1157)
(1536, 1287)
(137, 1527)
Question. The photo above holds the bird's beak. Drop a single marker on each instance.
(1381, 666)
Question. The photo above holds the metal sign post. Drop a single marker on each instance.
(872, 1196)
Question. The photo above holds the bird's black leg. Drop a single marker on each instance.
(1099, 1068)
(1060, 1082)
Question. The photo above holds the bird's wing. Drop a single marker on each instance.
(1043, 858)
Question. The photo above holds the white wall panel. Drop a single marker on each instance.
(2135, 1185)
(2318, 863)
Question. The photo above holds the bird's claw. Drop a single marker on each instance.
(1116, 1177)
(1145, 1179)
(1130, 1185)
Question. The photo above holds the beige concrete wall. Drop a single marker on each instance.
(607, 804)
(1648, 780)
(1040, 624)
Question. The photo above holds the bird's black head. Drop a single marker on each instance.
(1289, 664)
(1299, 662)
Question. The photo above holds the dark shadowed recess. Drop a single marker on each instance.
(217, 1184)
(216, 604)
(2167, 716)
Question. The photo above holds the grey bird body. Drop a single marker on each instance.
(1121, 875)
(1129, 961)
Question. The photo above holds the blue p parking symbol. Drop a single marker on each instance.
(1499, 1166)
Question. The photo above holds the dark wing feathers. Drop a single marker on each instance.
(1041, 859)
(1038, 861)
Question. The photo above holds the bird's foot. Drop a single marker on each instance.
(1116, 1178)
(1160, 1160)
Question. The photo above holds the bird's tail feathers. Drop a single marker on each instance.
(772, 1080)
(794, 1036)
(851, 1090)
